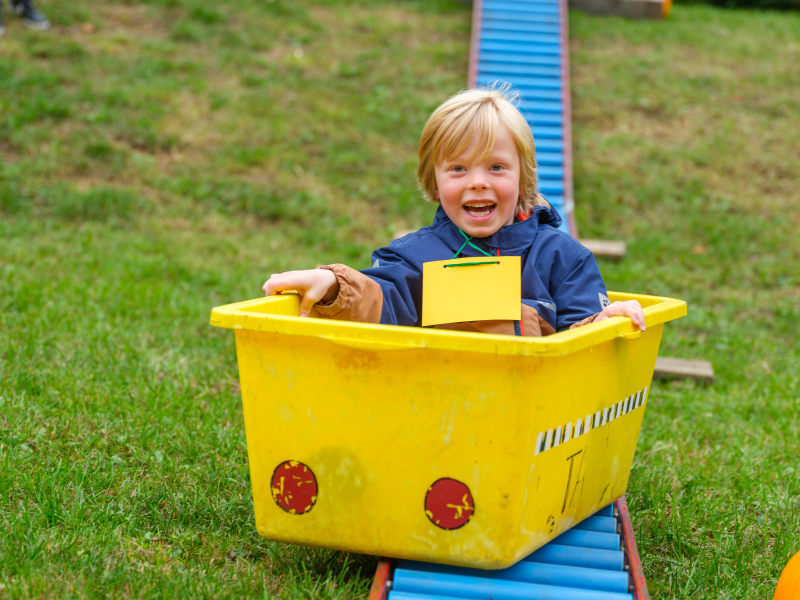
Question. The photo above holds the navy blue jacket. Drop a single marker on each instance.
(561, 283)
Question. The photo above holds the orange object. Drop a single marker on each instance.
(789, 583)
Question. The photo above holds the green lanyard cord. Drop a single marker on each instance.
(468, 238)
(472, 264)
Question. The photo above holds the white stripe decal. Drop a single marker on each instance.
(564, 433)
(539, 442)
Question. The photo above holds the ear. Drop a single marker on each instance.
(436, 194)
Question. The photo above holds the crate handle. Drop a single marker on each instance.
(368, 345)
(631, 336)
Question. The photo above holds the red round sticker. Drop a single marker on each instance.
(449, 504)
(294, 487)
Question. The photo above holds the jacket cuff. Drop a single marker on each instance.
(360, 298)
(334, 307)
(586, 321)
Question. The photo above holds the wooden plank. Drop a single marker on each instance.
(606, 248)
(678, 368)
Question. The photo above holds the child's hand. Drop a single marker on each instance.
(629, 308)
(313, 285)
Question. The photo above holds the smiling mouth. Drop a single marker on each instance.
(479, 209)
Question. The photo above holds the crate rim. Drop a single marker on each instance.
(250, 315)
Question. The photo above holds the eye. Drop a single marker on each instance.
(496, 167)
(458, 169)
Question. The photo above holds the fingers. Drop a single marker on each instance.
(298, 281)
(633, 310)
(321, 281)
(312, 285)
(266, 287)
(270, 285)
(279, 282)
(630, 308)
(638, 318)
(306, 304)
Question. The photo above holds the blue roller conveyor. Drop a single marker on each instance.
(482, 588)
(588, 539)
(526, 59)
(523, 42)
(547, 145)
(593, 567)
(406, 596)
(544, 574)
(550, 158)
(499, 26)
(592, 558)
(604, 524)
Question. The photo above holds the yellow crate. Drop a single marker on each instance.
(461, 448)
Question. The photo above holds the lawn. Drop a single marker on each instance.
(160, 158)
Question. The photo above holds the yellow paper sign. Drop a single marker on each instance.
(471, 289)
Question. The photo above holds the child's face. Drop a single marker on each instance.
(481, 197)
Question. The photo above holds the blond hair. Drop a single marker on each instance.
(476, 115)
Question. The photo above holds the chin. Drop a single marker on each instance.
(480, 231)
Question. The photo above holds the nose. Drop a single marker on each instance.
(478, 180)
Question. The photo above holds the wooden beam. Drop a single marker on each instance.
(606, 248)
(678, 368)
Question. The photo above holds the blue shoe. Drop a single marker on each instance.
(29, 15)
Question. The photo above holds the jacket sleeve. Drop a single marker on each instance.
(390, 292)
(581, 295)
(359, 299)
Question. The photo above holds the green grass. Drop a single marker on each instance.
(684, 137)
(163, 157)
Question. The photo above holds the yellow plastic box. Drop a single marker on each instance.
(443, 446)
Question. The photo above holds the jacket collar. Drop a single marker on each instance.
(512, 239)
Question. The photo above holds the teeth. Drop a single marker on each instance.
(479, 209)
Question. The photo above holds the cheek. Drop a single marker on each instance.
(511, 188)
(446, 190)
(515, 187)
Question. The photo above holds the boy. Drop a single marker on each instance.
(476, 159)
